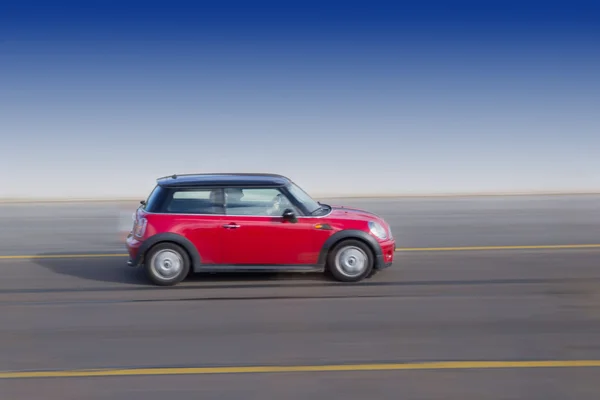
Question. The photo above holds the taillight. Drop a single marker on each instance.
(139, 227)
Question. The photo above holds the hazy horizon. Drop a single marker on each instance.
(99, 99)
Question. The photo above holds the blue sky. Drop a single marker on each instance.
(343, 97)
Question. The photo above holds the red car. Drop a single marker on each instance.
(252, 222)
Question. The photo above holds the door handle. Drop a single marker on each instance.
(231, 226)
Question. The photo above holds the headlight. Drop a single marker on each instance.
(377, 230)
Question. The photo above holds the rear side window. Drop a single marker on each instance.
(154, 201)
(192, 195)
(186, 201)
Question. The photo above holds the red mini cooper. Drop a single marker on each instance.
(252, 222)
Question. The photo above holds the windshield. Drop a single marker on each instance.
(308, 202)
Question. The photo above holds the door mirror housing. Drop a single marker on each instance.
(289, 215)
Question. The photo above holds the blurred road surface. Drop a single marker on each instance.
(416, 222)
(501, 305)
(497, 305)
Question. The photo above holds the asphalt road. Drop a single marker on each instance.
(501, 305)
(469, 306)
(416, 222)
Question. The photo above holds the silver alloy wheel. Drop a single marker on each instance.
(351, 261)
(166, 264)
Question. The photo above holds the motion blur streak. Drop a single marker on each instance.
(533, 247)
(467, 248)
(305, 368)
(31, 257)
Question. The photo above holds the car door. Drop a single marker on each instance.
(255, 233)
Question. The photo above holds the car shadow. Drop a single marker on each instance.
(114, 269)
(108, 269)
(259, 277)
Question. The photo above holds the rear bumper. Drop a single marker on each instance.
(133, 248)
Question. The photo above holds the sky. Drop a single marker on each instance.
(99, 98)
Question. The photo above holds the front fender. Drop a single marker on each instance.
(351, 234)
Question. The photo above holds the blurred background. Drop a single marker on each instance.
(347, 98)
(385, 106)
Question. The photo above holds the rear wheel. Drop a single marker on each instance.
(167, 264)
(350, 261)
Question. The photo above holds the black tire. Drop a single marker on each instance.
(360, 249)
(176, 258)
(374, 272)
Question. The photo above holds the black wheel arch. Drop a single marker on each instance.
(169, 237)
(351, 234)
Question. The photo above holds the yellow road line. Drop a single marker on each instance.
(304, 368)
(534, 247)
(399, 249)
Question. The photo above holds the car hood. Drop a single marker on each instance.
(353, 213)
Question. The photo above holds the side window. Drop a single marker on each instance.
(258, 202)
(196, 201)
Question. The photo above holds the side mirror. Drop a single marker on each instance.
(289, 215)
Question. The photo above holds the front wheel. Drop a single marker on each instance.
(167, 264)
(350, 261)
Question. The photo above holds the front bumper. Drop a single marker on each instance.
(388, 251)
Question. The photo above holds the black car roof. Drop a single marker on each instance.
(223, 179)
